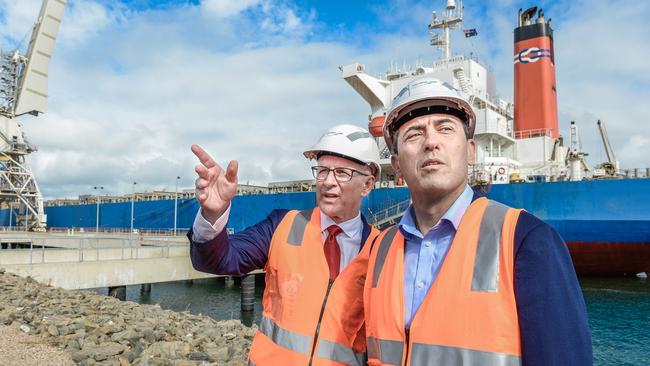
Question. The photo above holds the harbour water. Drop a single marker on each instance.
(619, 311)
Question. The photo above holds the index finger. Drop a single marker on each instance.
(203, 156)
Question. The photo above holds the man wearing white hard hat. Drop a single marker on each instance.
(315, 260)
(464, 280)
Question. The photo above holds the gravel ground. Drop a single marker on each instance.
(20, 349)
(92, 329)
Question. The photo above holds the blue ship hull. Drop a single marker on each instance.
(606, 224)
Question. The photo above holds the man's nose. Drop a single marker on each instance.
(330, 180)
(431, 139)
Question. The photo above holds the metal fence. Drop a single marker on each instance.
(61, 249)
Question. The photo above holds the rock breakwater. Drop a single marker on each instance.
(101, 330)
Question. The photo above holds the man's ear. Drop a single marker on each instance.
(471, 152)
(368, 186)
(395, 163)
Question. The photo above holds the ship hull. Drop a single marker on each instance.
(606, 224)
(610, 258)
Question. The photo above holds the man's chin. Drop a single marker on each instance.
(432, 184)
(328, 208)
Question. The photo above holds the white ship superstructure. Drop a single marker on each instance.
(503, 154)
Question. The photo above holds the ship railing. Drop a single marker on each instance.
(447, 61)
(136, 231)
(390, 214)
(11, 228)
(36, 249)
(538, 132)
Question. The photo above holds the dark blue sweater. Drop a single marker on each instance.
(551, 308)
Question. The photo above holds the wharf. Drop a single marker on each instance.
(93, 260)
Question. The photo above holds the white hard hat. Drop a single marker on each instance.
(350, 142)
(422, 96)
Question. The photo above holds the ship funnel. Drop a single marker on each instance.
(526, 16)
(535, 89)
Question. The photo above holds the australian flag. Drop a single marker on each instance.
(470, 32)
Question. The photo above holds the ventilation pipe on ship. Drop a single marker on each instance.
(534, 63)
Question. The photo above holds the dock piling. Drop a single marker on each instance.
(248, 292)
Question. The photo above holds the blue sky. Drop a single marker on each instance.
(134, 83)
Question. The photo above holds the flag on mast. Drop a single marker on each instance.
(470, 32)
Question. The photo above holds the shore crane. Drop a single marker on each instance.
(23, 90)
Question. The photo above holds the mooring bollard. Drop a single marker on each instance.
(118, 292)
(248, 292)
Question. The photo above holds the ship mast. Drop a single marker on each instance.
(452, 19)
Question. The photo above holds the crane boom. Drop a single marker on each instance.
(608, 148)
(31, 96)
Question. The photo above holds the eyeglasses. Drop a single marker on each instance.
(340, 174)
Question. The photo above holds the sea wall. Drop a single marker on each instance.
(101, 330)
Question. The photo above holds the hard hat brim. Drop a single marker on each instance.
(417, 108)
(315, 154)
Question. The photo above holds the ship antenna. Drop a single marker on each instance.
(452, 19)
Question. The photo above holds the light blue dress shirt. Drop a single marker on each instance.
(424, 254)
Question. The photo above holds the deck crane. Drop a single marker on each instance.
(610, 168)
(575, 157)
(23, 90)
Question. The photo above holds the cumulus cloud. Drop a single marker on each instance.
(227, 8)
(127, 104)
(83, 20)
(257, 81)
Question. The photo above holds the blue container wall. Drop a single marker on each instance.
(4, 218)
(596, 211)
(246, 210)
(249, 210)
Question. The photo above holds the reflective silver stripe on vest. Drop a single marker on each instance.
(337, 352)
(486, 264)
(427, 354)
(382, 252)
(285, 338)
(298, 227)
(388, 352)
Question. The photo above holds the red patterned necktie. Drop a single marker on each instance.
(333, 251)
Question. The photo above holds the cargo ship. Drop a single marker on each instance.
(602, 212)
(522, 159)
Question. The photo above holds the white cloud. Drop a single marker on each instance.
(227, 8)
(83, 19)
(126, 105)
(19, 16)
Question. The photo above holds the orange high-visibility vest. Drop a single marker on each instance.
(308, 319)
(469, 315)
